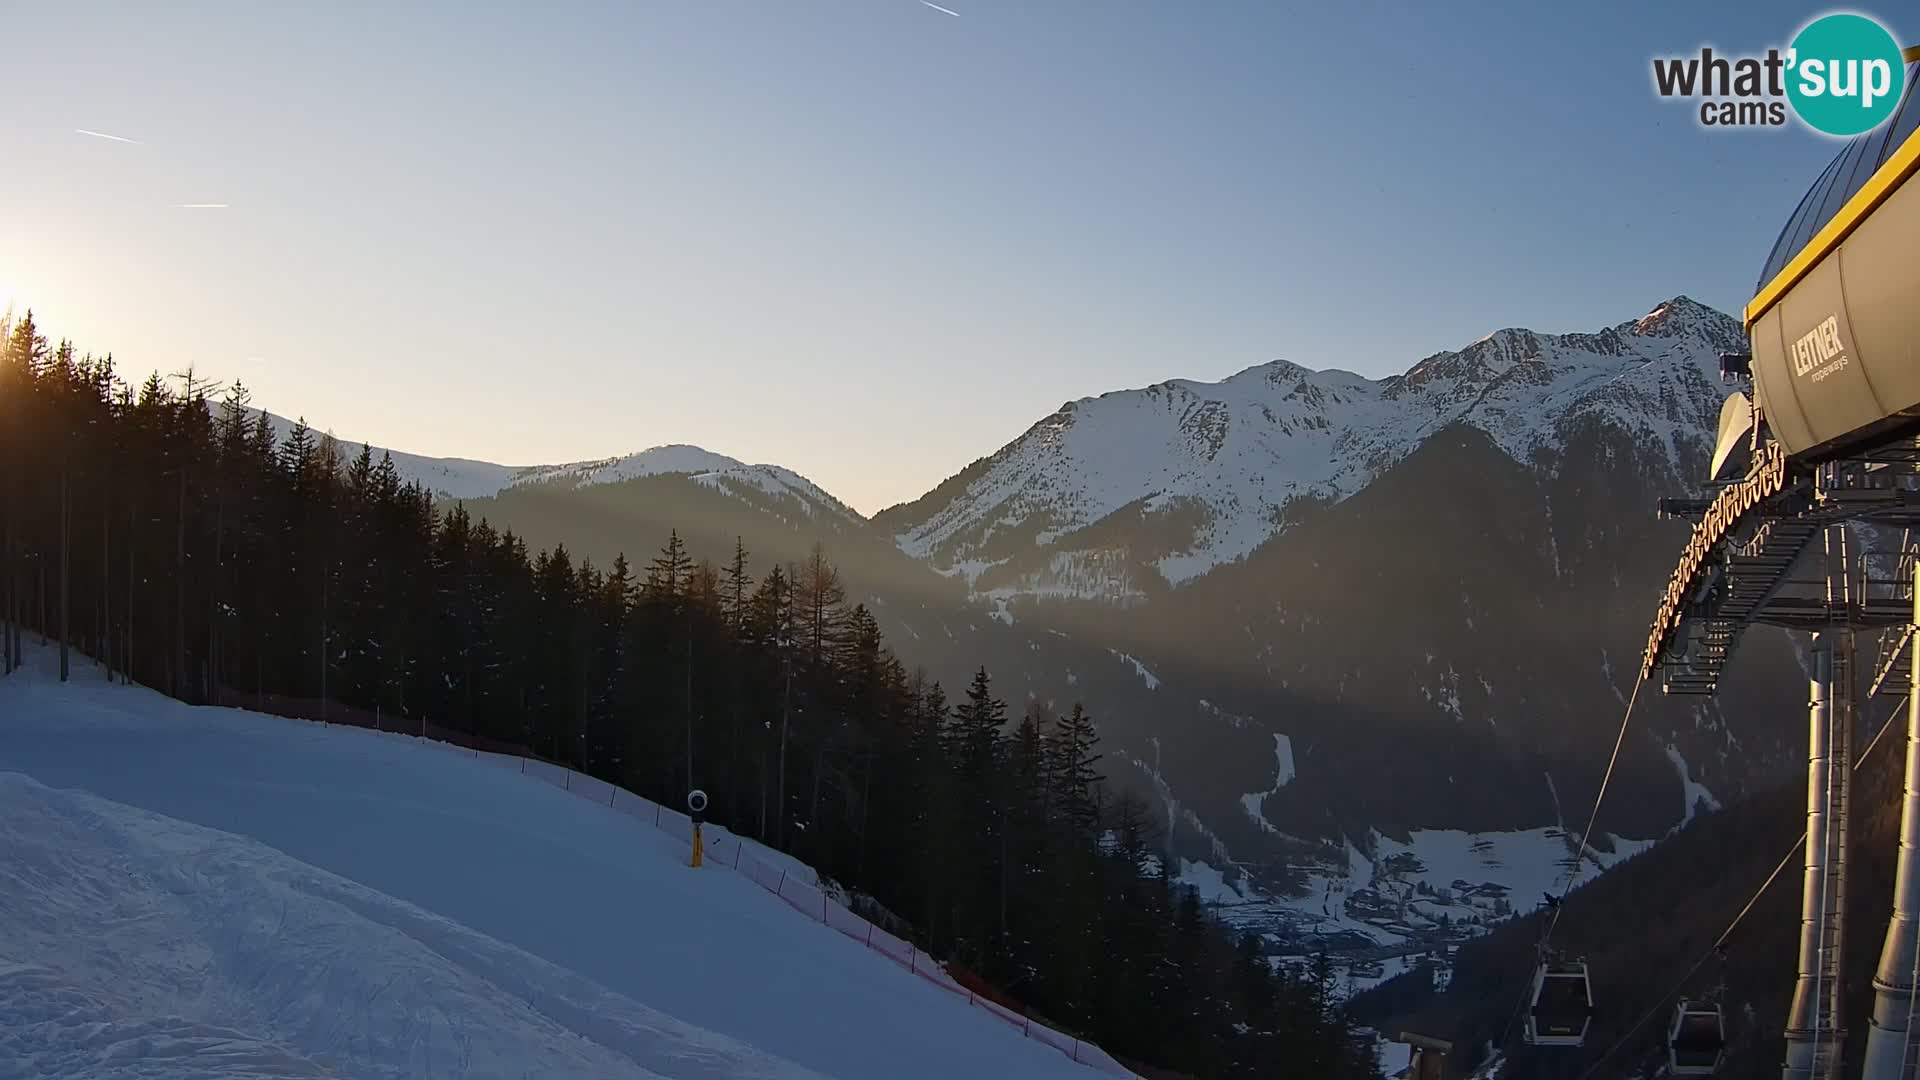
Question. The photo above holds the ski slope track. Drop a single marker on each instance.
(1201, 473)
(198, 892)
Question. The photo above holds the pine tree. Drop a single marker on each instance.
(977, 751)
(736, 594)
(668, 573)
(738, 588)
(821, 599)
(1073, 773)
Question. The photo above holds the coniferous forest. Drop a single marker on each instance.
(165, 532)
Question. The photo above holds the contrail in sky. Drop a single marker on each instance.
(937, 7)
(200, 206)
(104, 135)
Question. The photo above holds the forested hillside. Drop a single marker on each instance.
(606, 516)
(162, 532)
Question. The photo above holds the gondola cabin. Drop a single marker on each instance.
(1697, 1040)
(1562, 1007)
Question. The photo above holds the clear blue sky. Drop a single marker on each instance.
(860, 238)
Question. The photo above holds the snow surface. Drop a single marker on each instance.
(1284, 773)
(703, 467)
(1529, 863)
(1394, 1057)
(1239, 450)
(1140, 669)
(1210, 883)
(1377, 898)
(376, 906)
(1068, 575)
(1694, 792)
(140, 945)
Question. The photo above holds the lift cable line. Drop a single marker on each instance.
(1580, 851)
(1528, 989)
(1661, 1002)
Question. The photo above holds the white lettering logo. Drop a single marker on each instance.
(1818, 347)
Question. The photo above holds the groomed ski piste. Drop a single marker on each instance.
(201, 892)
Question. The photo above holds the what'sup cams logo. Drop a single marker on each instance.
(1842, 75)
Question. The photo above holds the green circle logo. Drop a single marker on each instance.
(1845, 74)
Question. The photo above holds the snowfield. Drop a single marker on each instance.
(141, 945)
(195, 892)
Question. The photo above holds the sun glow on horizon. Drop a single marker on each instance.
(17, 297)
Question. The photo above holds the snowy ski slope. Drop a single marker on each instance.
(193, 892)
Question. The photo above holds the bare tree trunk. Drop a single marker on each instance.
(6, 597)
(66, 549)
(213, 591)
(583, 642)
(687, 700)
(19, 593)
(762, 834)
(177, 677)
(580, 751)
(813, 805)
(866, 798)
(133, 576)
(7, 585)
(106, 577)
(15, 579)
(734, 769)
(780, 777)
(324, 647)
(1004, 874)
(466, 686)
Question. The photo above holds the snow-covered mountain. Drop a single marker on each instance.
(1119, 496)
(1401, 608)
(464, 478)
(448, 478)
(716, 471)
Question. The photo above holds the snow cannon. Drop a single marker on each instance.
(697, 809)
(1834, 324)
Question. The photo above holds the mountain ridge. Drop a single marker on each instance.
(1131, 492)
(1120, 520)
(461, 479)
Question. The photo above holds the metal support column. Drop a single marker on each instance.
(1889, 1041)
(1842, 697)
(1809, 1021)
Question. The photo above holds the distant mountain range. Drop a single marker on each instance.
(1121, 496)
(463, 478)
(1318, 616)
